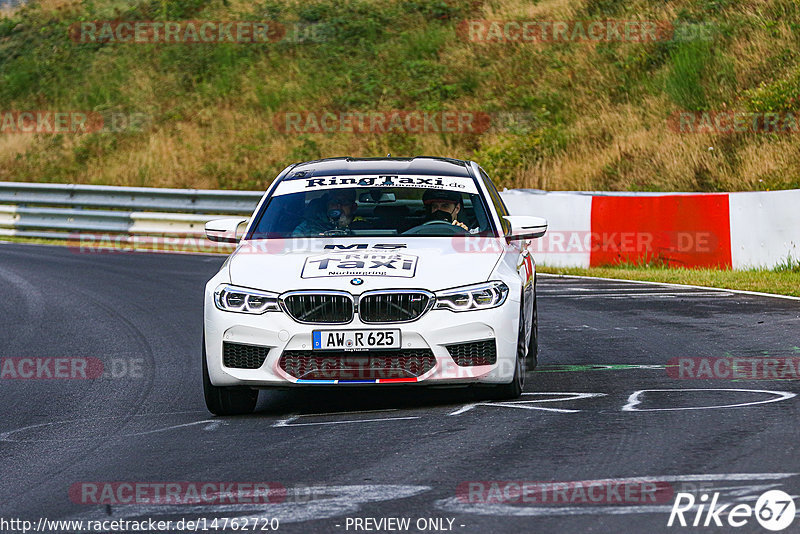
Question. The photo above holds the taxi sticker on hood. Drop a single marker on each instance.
(360, 264)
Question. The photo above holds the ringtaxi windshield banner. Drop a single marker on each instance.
(460, 184)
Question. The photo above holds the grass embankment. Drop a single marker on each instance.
(783, 280)
(597, 113)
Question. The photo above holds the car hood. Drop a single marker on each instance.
(430, 263)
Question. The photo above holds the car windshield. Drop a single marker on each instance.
(373, 206)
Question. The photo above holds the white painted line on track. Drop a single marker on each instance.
(220, 254)
(560, 290)
(635, 399)
(216, 422)
(458, 505)
(528, 407)
(465, 408)
(525, 404)
(666, 284)
(7, 435)
(289, 422)
(285, 422)
(698, 477)
(567, 367)
(573, 396)
(347, 412)
(307, 503)
(646, 295)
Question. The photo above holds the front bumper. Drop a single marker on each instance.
(435, 330)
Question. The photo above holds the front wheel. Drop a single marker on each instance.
(533, 346)
(227, 400)
(513, 389)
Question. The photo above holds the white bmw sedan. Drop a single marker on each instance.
(378, 272)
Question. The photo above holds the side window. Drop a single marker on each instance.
(497, 201)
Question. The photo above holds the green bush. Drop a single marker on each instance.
(776, 96)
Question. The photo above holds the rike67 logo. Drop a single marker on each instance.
(774, 510)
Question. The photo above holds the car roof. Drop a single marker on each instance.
(421, 165)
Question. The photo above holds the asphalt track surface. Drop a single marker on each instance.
(601, 406)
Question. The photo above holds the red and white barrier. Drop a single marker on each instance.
(569, 216)
(765, 228)
(738, 230)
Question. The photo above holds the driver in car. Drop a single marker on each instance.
(441, 205)
(332, 213)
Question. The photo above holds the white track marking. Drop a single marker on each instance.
(301, 504)
(664, 284)
(649, 295)
(7, 436)
(285, 422)
(712, 477)
(290, 423)
(457, 505)
(525, 403)
(347, 413)
(600, 290)
(465, 408)
(215, 422)
(220, 254)
(635, 399)
(565, 367)
(528, 407)
(574, 396)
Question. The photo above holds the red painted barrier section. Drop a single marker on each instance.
(674, 230)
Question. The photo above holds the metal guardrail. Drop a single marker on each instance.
(65, 211)
(138, 198)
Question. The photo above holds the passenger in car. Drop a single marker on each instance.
(331, 213)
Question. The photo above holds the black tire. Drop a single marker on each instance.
(513, 390)
(227, 401)
(533, 346)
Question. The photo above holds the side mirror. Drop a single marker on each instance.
(225, 230)
(526, 227)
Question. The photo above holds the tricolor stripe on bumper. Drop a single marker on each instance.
(372, 381)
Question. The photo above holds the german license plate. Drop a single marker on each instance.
(355, 339)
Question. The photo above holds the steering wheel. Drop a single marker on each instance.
(440, 227)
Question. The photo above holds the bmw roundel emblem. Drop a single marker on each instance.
(357, 281)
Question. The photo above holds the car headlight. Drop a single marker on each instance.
(242, 300)
(475, 297)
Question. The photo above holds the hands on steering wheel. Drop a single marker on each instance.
(454, 223)
(453, 228)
